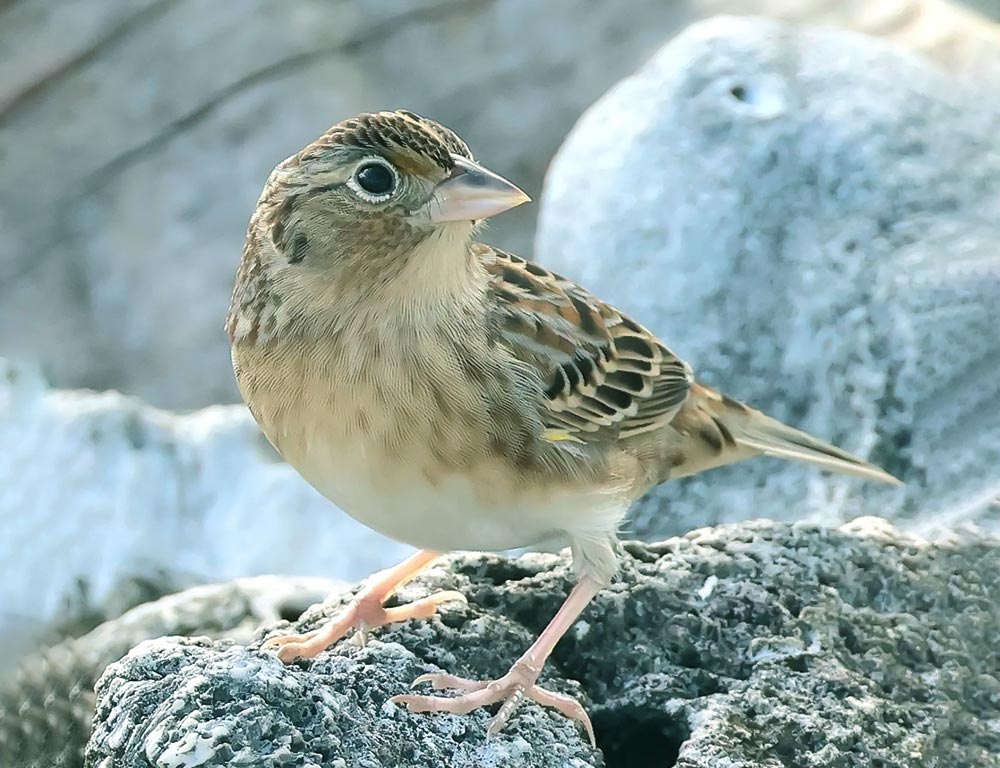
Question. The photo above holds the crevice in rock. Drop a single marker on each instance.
(648, 739)
(289, 612)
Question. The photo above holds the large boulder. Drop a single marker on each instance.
(810, 217)
(747, 645)
(98, 491)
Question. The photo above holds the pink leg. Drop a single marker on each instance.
(365, 611)
(519, 682)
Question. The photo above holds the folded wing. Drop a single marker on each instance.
(604, 373)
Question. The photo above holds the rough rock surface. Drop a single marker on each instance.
(47, 707)
(810, 217)
(135, 137)
(98, 490)
(747, 645)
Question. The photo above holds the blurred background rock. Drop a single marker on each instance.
(811, 218)
(106, 502)
(135, 137)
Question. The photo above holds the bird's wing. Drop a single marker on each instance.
(602, 371)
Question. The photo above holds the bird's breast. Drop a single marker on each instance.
(421, 449)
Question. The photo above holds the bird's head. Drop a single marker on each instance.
(378, 199)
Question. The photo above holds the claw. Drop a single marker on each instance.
(288, 648)
(281, 640)
(443, 681)
(512, 689)
(363, 614)
(425, 607)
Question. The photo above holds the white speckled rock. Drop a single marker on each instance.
(743, 646)
(46, 708)
(99, 488)
(810, 217)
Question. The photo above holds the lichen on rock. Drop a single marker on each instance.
(759, 644)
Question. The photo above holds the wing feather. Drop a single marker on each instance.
(602, 371)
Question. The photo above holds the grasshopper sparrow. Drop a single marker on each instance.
(454, 396)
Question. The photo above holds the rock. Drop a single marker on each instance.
(135, 138)
(743, 645)
(810, 217)
(46, 709)
(97, 490)
(962, 40)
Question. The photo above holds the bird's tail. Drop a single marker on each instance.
(750, 429)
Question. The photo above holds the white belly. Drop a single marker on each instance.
(485, 510)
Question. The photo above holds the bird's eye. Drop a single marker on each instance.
(375, 180)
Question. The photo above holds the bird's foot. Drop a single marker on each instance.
(513, 688)
(363, 614)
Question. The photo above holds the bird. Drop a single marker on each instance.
(454, 396)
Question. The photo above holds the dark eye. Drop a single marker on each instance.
(376, 179)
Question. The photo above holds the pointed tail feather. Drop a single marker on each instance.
(758, 432)
(772, 438)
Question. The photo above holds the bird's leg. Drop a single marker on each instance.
(519, 682)
(366, 611)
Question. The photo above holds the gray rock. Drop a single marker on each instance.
(810, 217)
(990, 8)
(47, 707)
(751, 645)
(135, 138)
(99, 491)
(963, 40)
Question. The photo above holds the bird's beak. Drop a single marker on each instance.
(472, 192)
